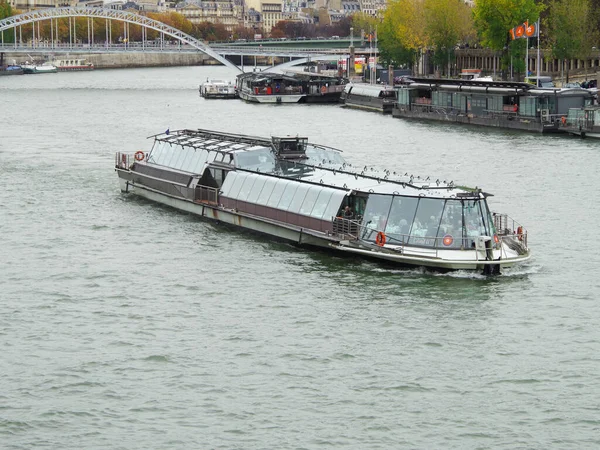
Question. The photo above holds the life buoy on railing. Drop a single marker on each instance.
(520, 233)
(448, 240)
(563, 119)
(380, 239)
(323, 90)
(139, 155)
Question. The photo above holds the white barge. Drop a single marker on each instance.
(306, 193)
(217, 89)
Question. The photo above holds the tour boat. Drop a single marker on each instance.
(291, 189)
(290, 87)
(218, 89)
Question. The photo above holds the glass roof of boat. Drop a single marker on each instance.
(324, 166)
(373, 180)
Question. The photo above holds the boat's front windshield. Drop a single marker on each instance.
(428, 222)
(260, 159)
(321, 155)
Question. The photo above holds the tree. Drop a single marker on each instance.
(6, 11)
(447, 23)
(571, 29)
(494, 19)
(364, 22)
(403, 31)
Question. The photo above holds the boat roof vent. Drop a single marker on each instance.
(290, 148)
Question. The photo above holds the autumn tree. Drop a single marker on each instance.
(571, 29)
(210, 31)
(447, 22)
(403, 31)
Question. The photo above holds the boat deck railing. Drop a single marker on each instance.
(206, 194)
(123, 160)
(507, 226)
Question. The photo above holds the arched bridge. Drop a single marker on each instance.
(53, 14)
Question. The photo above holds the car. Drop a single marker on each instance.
(335, 37)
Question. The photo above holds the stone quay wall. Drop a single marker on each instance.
(121, 60)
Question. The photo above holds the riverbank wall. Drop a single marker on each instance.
(120, 60)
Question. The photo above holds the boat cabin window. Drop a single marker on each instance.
(376, 214)
(257, 187)
(249, 181)
(528, 106)
(400, 219)
(427, 222)
(321, 204)
(287, 196)
(443, 99)
(275, 196)
(267, 190)
(298, 198)
(309, 201)
(404, 96)
(259, 159)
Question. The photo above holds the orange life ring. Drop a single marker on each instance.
(563, 119)
(323, 90)
(520, 233)
(139, 155)
(448, 240)
(380, 239)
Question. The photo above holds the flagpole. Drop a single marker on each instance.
(527, 51)
(538, 50)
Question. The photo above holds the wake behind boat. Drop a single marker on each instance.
(308, 194)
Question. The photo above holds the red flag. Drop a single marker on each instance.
(531, 30)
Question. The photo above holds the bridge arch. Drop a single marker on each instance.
(112, 14)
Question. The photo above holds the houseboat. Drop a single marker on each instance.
(290, 87)
(32, 68)
(373, 97)
(584, 122)
(519, 106)
(71, 65)
(305, 193)
(218, 89)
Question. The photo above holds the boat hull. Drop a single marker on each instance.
(472, 260)
(272, 98)
(369, 104)
(524, 124)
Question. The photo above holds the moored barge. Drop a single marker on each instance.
(306, 193)
(372, 97)
(513, 105)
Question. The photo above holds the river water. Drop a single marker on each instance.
(124, 324)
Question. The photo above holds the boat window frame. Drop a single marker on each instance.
(247, 187)
(266, 192)
(298, 198)
(277, 193)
